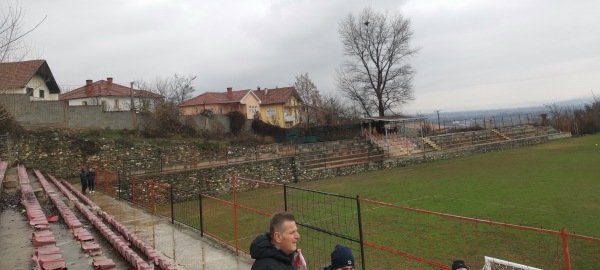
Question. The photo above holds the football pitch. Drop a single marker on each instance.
(552, 185)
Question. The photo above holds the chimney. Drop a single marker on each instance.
(109, 79)
(266, 91)
(229, 91)
(258, 88)
(88, 85)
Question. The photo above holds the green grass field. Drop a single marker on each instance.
(552, 185)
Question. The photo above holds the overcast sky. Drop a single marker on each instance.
(475, 54)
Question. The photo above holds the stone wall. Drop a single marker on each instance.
(217, 180)
(62, 155)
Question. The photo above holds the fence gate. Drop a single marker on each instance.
(325, 220)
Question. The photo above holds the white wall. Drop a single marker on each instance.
(38, 84)
(113, 103)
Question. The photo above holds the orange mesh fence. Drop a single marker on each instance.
(141, 192)
(584, 251)
(286, 149)
(387, 236)
(151, 195)
(203, 159)
(192, 160)
(237, 218)
(324, 221)
(217, 219)
(434, 238)
(186, 210)
(162, 200)
(108, 182)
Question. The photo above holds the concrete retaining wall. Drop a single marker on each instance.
(62, 154)
(58, 114)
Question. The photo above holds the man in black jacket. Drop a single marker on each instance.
(275, 250)
(84, 181)
(91, 178)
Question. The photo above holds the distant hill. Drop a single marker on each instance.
(462, 115)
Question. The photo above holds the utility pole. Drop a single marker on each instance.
(132, 107)
(438, 115)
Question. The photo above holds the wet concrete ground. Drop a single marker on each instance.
(180, 245)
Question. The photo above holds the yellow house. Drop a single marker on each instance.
(244, 101)
(280, 106)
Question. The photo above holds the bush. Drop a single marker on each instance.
(237, 121)
(266, 129)
(164, 123)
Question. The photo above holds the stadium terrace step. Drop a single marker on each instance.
(43, 240)
(47, 250)
(48, 257)
(103, 264)
(90, 247)
(497, 132)
(432, 144)
(50, 265)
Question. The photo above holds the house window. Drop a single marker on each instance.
(252, 110)
(117, 105)
(30, 91)
(104, 105)
(271, 113)
(84, 103)
(42, 93)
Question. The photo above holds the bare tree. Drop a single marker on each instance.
(377, 76)
(13, 45)
(174, 89)
(335, 110)
(311, 98)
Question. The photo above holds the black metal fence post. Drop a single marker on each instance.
(285, 205)
(201, 223)
(119, 174)
(172, 205)
(360, 234)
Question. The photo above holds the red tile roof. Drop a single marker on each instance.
(216, 98)
(266, 96)
(18, 74)
(276, 95)
(103, 88)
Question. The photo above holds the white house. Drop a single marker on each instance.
(32, 78)
(112, 96)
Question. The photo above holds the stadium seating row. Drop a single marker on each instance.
(47, 254)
